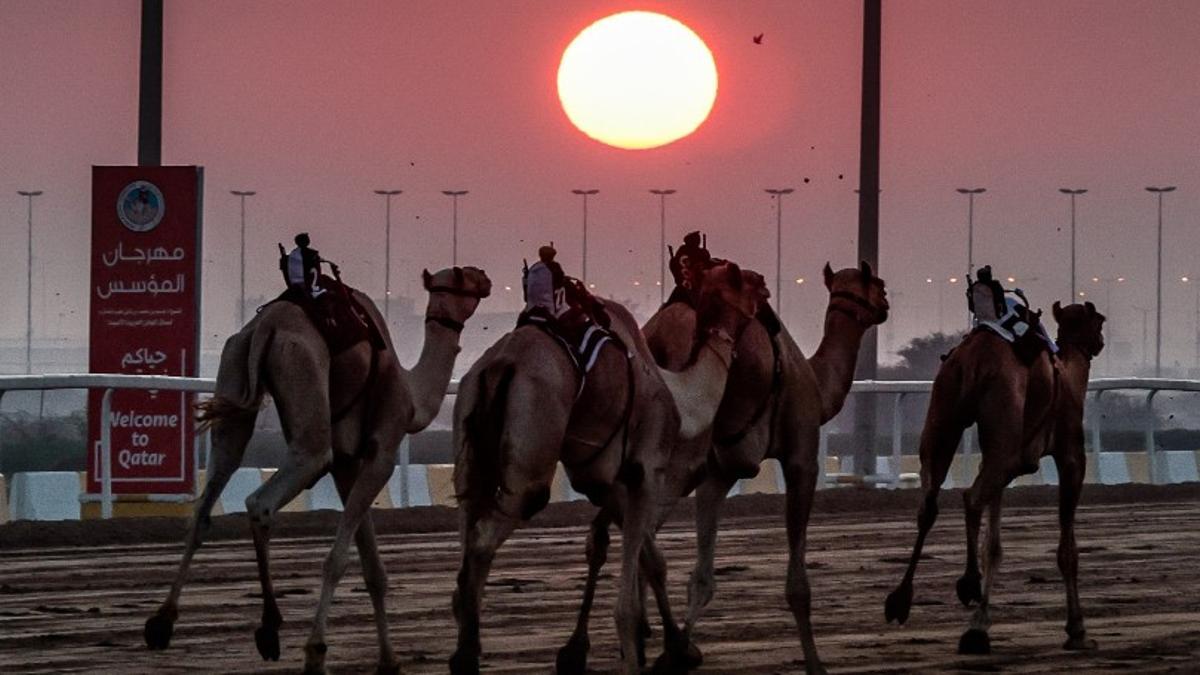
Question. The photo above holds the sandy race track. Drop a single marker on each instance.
(74, 596)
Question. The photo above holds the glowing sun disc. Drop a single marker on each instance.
(637, 80)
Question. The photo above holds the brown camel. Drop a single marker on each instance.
(345, 414)
(774, 404)
(1024, 413)
(521, 409)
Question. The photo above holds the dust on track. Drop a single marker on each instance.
(74, 596)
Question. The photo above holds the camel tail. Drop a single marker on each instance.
(479, 466)
(240, 390)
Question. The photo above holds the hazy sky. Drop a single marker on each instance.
(315, 104)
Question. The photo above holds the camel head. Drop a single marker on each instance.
(729, 299)
(858, 293)
(1080, 325)
(454, 294)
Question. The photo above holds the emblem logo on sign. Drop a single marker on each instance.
(140, 206)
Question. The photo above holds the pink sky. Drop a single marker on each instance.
(315, 104)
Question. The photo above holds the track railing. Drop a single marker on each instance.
(897, 388)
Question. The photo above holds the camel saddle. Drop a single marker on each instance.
(340, 319)
(1008, 315)
(582, 329)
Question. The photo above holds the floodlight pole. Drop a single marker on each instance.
(1159, 192)
(662, 241)
(585, 194)
(387, 250)
(29, 195)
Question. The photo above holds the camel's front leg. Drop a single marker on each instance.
(481, 536)
(572, 657)
(638, 517)
(801, 477)
(709, 497)
(230, 436)
(1070, 482)
(969, 587)
(374, 574)
(975, 640)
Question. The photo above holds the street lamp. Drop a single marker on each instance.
(29, 195)
(387, 249)
(585, 194)
(662, 241)
(1073, 193)
(454, 195)
(777, 194)
(1159, 192)
(241, 195)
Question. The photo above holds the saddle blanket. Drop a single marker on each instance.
(583, 348)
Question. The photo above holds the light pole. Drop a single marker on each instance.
(1195, 320)
(29, 195)
(1159, 192)
(387, 249)
(662, 241)
(1107, 282)
(241, 195)
(941, 298)
(970, 193)
(1145, 322)
(585, 194)
(454, 195)
(777, 195)
(1073, 193)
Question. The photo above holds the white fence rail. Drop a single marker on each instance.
(896, 388)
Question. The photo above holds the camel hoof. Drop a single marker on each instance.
(969, 589)
(1080, 642)
(572, 657)
(314, 658)
(464, 664)
(158, 632)
(267, 640)
(679, 659)
(898, 604)
(975, 641)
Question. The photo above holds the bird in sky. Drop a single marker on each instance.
(758, 39)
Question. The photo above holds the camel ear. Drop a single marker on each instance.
(735, 276)
(1057, 309)
(828, 276)
(867, 272)
(1090, 307)
(426, 278)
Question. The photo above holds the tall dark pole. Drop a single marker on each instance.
(868, 222)
(585, 194)
(242, 194)
(777, 195)
(662, 241)
(387, 250)
(150, 85)
(29, 195)
(1159, 192)
(1073, 193)
(454, 195)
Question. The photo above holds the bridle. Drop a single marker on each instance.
(457, 290)
(874, 316)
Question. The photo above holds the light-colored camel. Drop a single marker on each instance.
(346, 415)
(521, 410)
(1024, 413)
(773, 406)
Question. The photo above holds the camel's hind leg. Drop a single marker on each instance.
(572, 657)
(229, 438)
(944, 426)
(1070, 481)
(481, 537)
(975, 640)
(360, 488)
(800, 473)
(710, 494)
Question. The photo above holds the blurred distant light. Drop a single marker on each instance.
(508, 288)
(591, 285)
(1011, 280)
(928, 280)
(1184, 279)
(637, 283)
(1120, 278)
(954, 280)
(800, 280)
(1095, 280)
(658, 283)
(1082, 294)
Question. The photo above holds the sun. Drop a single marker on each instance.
(637, 80)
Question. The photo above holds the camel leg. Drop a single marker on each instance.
(975, 640)
(635, 529)
(230, 437)
(572, 657)
(482, 536)
(801, 477)
(1070, 482)
(679, 655)
(371, 477)
(709, 496)
(939, 440)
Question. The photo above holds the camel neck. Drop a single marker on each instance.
(430, 377)
(834, 361)
(698, 389)
(1076, 366)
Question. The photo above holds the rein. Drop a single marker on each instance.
(874, 314)
(452, 324)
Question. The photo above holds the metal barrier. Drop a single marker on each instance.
(897, 388)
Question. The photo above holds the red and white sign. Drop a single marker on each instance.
(145, 319)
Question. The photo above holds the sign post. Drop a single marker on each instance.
(145, 319)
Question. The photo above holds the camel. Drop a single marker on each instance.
(521, 409)
(1024, 413)
(347, 415)
(773, 406)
